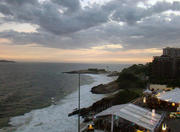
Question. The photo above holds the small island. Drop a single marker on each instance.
(89, 71)
(7, 61)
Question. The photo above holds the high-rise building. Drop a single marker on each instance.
(171, 52)
(168, 64)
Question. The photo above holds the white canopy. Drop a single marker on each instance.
(135, 114)
(147, 91)
(171, 96)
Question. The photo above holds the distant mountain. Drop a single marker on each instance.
(6, 61)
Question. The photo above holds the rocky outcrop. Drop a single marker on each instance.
(95, 108)
(121, 97)
(114, 73)
(6, 61)
(89, 71)
(105, 88)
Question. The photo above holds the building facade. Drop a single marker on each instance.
(172, 52)
(168, 64)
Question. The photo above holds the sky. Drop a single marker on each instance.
(88, 31)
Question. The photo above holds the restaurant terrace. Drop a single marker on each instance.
(136, 117)
(172, 96)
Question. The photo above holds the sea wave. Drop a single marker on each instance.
(55, 117)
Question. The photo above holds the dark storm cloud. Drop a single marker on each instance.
(65, 24)
(5, 10)
(49, 18)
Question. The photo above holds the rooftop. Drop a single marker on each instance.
(172, 48)
(135, 114)
(171, 96)
(147, 91)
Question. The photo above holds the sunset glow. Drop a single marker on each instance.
(92, 31)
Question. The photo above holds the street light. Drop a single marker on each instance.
(79, 104)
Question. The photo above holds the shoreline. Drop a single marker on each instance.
(119, 97)
(108, 88)
(124, 89)
(21, 109)
(63, 103)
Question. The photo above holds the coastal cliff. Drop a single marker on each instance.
(105, 88)
(128, 86)
(121, 97)
(125, 80)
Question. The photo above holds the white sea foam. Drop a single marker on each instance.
(55, 117)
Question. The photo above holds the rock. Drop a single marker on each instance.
(114, 73)
(89, 71)
(121, 97)
(6, 61)
(105, 88)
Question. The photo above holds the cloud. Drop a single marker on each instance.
(18, 27)
(71, 5)
(65, 24)
(112, 47)
(34, 52)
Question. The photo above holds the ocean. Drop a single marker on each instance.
(34, 83)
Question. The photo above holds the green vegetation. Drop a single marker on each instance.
(125, 96)
(139, 69)
(129, 80)
(122, 97)
(142, 71)
(134, 76)
(4, 121)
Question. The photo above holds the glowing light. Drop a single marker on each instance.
(90, 127)
(153, 112)
(139, 131)
(144, 100)
(164, 127)
(173, 104)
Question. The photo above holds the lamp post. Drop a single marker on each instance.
(79, 104)
(112, 122)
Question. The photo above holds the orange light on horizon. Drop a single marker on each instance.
(36, 52)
